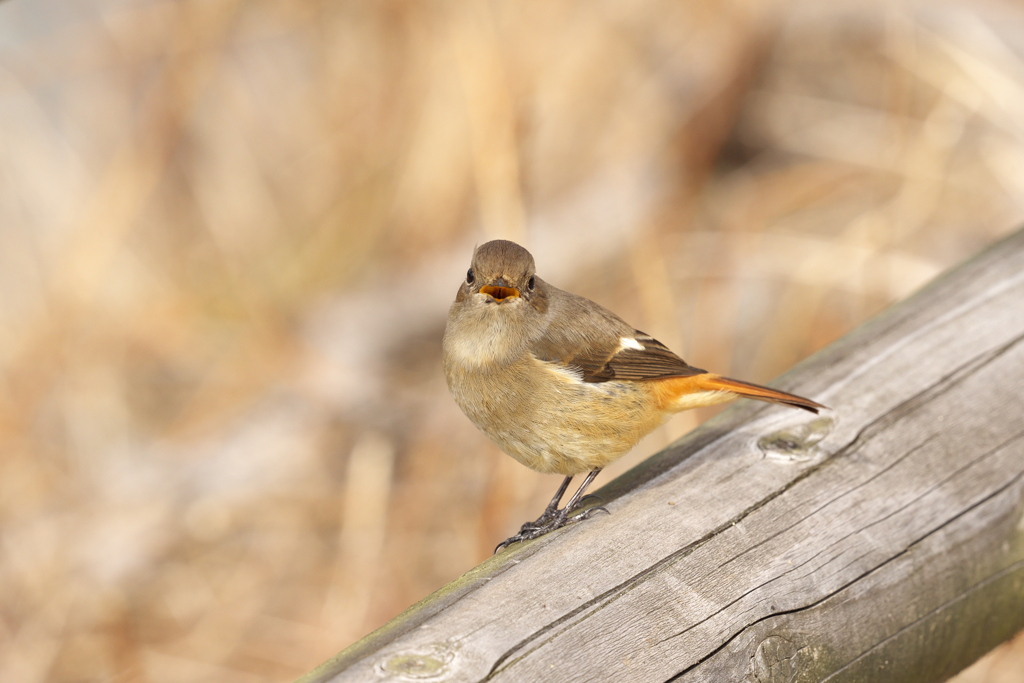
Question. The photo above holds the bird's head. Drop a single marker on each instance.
(501, 302)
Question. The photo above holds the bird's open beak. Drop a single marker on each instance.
(500, 293)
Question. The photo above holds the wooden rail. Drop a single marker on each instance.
(883, 541)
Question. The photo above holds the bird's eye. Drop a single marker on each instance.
(531, 283)
(469, 276)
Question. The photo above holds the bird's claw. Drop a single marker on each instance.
(586, 514)
(549, 521)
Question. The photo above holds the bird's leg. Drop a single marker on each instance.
(574, 502)
(553, 518)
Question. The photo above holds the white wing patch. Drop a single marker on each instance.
(629, 343)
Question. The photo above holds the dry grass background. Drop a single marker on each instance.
(229, 233)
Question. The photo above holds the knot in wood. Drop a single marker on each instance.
(424, 663)
(796, 444)
(774, 661)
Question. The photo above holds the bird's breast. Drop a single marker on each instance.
(546, 417)
(482, 337)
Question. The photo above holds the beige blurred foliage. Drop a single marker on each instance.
(229, 233)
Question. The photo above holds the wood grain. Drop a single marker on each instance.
(882, 540)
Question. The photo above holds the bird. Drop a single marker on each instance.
(562, 384)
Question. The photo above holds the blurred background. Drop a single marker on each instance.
(230, 232)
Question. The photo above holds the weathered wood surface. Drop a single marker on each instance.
(883, 541)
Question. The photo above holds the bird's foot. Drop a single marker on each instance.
(549, 521)
(550, 515)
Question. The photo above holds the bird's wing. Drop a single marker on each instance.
(641, 357)
(597, 343)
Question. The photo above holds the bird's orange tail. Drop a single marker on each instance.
(718, 383)
(681, 393)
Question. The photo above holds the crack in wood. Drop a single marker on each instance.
(853, 581)
(808, 560)
(828, 503)
(889, 515)
(1006, 571)
(994, 450)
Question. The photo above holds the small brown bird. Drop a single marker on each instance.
(560, 383)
